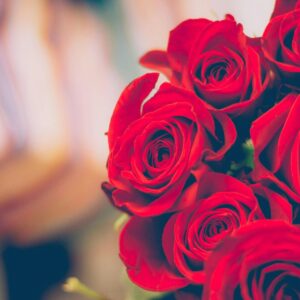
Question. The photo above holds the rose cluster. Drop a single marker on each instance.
(208, 165)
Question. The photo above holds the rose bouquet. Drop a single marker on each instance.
(207, 165)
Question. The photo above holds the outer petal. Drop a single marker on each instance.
(186, 241)
(265, 128)
(141, 252)
(182, 39)
(157, 60)
(189, 293)
(138, 204)
(284, 6)
(222, 183)
(130, 101)
(208, 119)
(255, 245)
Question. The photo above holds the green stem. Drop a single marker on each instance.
(73, 285)
(122, 219)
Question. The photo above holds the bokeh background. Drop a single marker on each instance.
(63, 65)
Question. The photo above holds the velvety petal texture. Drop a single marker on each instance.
(191, 235)
(141, 252)
(160, 148)
(276, 140)
(170, 252)
(281, 46)
(207, 165)
(217, 61)
(284, 6)
(260, 261)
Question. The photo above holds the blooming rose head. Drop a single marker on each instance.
(281, 46)
(174, 253)
(159, 148)
(191, 235)
(216, 60)
(260, 261)
(276, 140)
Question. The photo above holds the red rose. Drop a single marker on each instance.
(170, 253)
(260, 261)
(216, 60)
(158, 148)
(276, 140)
(281, 46)
(284, 6)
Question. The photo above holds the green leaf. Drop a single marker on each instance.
(248, 149)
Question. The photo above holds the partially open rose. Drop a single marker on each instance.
(276, 140)
(217, 61)
(260, 261)
(159, 148)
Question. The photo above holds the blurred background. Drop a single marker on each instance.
(63, 65)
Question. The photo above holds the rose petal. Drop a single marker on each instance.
(141, 252)
(130, 101)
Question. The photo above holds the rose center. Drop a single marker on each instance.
(217, 72)
(160, 151)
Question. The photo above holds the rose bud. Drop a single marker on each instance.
(276, 140)
(159, 148)
(170, 252)
(259, 261)
(218, 61)
(281, 46)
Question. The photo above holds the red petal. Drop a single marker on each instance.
(182, 39)
(284, 6)
(214, 182)
(229, 132)
(280, 208)
(157, 60)
(129, 105)
(142, 253)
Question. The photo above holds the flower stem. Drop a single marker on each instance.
(73, 285)
(122, 219)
